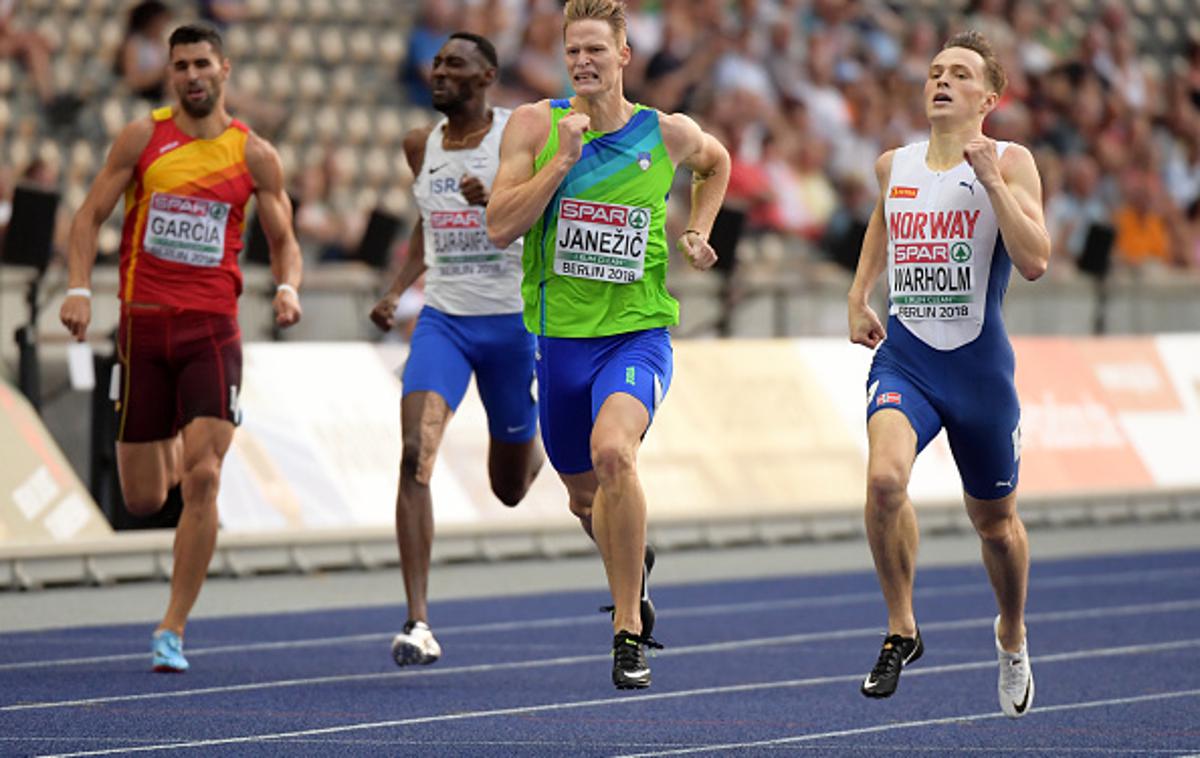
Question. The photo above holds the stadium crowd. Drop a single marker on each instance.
(804, 93)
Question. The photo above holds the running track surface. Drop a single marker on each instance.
(768, 667)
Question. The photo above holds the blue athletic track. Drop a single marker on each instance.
(768, 667)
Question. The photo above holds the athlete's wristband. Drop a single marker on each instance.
(285, 287)
(696, 232)
(79, 292)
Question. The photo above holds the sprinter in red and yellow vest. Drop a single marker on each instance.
(186, 173)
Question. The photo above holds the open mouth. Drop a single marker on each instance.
(941, 97)
(585, 77)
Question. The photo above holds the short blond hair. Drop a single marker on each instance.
(992, 70)
(611, 12)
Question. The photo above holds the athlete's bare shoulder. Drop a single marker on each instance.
(1016, 155)
(529, 124)
(414, 147)
(682, 137)
(259, 151)
(132, 140)
(266, 168)
(883, 168)
(677, 125)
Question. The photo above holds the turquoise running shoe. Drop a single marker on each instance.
(167, 649)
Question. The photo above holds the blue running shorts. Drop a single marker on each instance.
(576, 375)
(969, 390)
(446, 349)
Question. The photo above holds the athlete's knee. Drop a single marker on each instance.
(887, 485)
(416, 462)
(612, 460)
(509, 492)
(201, 480)
(1000, 531)
(581, 508)
(143, 501)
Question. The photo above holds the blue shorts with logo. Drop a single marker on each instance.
(446, 349)
(577, 374)
(969, 390)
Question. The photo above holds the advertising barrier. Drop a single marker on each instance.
(751, 431)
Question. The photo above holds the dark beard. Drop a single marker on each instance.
(198, 110)
(450, 107)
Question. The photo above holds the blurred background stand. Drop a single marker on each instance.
(28, 243)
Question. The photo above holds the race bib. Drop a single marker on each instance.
(933, 278)
(186, 230)
(601, 241)
(460, 245)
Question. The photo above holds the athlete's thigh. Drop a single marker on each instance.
(424, 417)
(581, 491)
(206, 441)
(564, 382)
(891, 389)
(437, 358)
(639, 364)
(147, 470)
(984, 429)
(206, 356)
(142, 386)
(504, 373)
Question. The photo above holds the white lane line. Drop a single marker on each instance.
(640, 699)
(711, 647)
(733, 609)
(1037, 711)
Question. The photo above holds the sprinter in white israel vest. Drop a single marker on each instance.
(955, 214)
(471, 322)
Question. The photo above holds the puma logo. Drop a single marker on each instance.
(969, 185)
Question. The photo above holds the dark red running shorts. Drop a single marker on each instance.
(174, 366)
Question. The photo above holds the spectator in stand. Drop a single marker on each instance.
(1071, 212)
(1143, 231)
(328, 225)
(222, 13)
(538, 72)
(142, 58)
(683, 63)
(1192, 256)
(427, 37)
(34, 51)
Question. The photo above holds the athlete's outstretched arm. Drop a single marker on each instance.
(382, 315)
(518, 194)
(1015, 189)
(275, 214)
(865, 326)
(708, 160)
(110, 183)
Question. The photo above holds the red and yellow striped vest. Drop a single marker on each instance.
(184, 214)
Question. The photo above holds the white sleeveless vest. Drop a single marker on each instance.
(942, 235)
(467, 275)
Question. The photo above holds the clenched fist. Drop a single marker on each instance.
(697, 250)
(981, 153)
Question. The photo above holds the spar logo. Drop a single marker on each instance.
(908, 193)
(922, 252)
(454, 220)
(602, 213)
(188, 205)
(960, 252)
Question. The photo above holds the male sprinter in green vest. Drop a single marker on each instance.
(586, 181)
